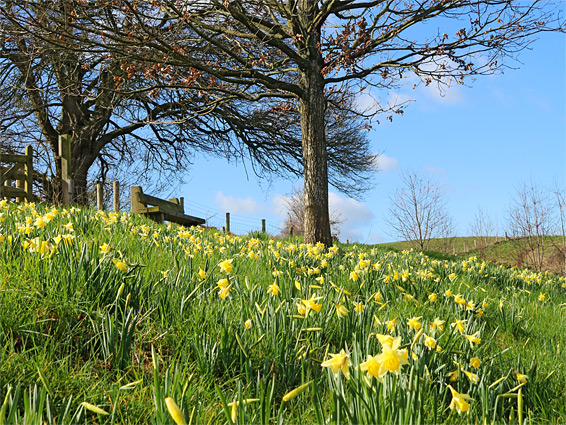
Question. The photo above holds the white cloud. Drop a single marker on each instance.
(446, 90)
(386, 163)
(237, 205)
(444, 93)
(435, 171)
(279, 205)
(352, 214)
(351, 210)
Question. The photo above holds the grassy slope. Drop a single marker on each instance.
(125, 327)
(493, 249)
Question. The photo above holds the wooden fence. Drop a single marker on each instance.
(20, 171)
(17, 176)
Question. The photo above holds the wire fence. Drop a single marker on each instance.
(234, 223)
(237, 223)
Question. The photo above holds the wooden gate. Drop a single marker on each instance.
(19, 169)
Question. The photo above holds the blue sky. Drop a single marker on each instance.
(478, 142)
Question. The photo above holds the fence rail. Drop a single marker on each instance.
(19, 171)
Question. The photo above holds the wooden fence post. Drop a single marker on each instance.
(19, 185)
(65, 157)
(263, 225)
(116, 196)
(134, 199)
(99, 196)
(227, 222)
(28, 183)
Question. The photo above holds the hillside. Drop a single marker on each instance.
(497, 250)
(111, 318)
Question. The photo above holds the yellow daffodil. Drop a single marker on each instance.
(391, 358)
(433, 297)
(338, 362)
(174, 411)
(297, 391)
(475, 362)
(248, 324)
(201, 273)
(459, 300)
(341, 311)
(521, 378)
(429, 342)
(414, 323)
(459, 401)
(94, 408)
(273, 289)
(391, 324)
(224, 292)
(354, 276)
(235, 404)
(311, 304)
(437, 324)
(226, 265)
(371, 366)
(120, 265)
(377, 297)
(385, 339)
(222, 283)
(473, 339)
(459, 324)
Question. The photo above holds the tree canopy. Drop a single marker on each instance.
(121, 107)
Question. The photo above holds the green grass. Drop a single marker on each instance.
(498, 250)
(90, 334)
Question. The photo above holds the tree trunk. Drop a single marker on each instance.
(80, 194)
(83, 159)
(313, 106)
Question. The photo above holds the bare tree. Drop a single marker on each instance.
(294, 224)
(417, 211)
(559, 193)
(530, 223)
(482, 227)
(301, 52)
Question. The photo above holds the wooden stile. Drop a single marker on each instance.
(171, 210)
(20, 171)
